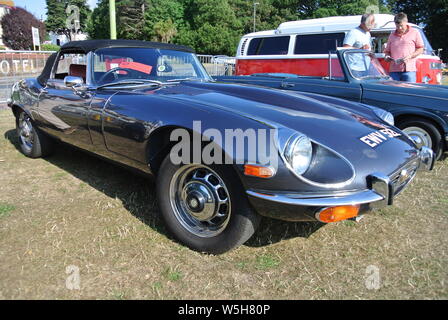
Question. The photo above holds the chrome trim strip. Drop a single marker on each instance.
(406, 94)
(313, 183)
(360, 197)
(295, 84)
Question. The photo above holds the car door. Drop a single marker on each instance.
(62, 110)
(115, 115)
(336, 83)
(336, 88)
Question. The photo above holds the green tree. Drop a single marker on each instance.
(165, 31)
(214, 27)
(99, 23)
(16, 25)
(56, 17)
(131, 19)
(137, 19)
(269, 13)
(326, 8)
(164, 19)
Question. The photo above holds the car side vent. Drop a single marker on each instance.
(243, 46)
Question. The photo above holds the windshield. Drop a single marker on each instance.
(112, 65)
(428, 47)
(364, 65)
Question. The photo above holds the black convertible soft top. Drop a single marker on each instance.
(46, 72)
(90, 45)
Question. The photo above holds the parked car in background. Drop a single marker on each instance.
(420, 110)
(331, 159)
(301, 47)
(222, 59)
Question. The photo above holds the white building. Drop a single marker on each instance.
(61, 39)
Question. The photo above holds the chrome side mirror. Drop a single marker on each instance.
(73, 82)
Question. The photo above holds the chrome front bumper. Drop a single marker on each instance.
(343, 199)
(427, 159)
(381, 191)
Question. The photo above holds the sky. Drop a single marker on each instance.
(38, 7)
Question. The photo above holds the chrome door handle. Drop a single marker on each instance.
(287, 85)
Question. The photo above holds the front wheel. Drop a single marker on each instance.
(204, 206)
(424, 134)
(33, 143)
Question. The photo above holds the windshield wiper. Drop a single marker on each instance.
(133, 82)
(182, 79)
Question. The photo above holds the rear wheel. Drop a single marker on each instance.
(33, 143)
(204, 206)
(424, 134)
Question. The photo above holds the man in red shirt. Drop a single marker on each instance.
(405, 44)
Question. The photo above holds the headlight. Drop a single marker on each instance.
(385, 115)
(298, 153)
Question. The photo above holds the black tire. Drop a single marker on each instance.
(241, 221)
(426, 128)
(33, 143)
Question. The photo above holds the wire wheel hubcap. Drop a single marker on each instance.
(420, 136)
(26, 135)
(200, 200)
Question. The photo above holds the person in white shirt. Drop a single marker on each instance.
(359, 38)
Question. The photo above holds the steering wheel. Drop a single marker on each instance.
(115, 75)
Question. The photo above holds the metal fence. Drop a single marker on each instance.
(218, 65)
(16, 65)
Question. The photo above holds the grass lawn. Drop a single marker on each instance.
(72, 212)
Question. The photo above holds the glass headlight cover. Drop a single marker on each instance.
(385, 115)
(298, 153)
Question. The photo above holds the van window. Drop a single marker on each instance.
(380, 41)
(318, 43)
(268, 46)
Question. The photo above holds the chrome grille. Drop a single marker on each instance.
(401, 178)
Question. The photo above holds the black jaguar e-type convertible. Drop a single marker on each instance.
(222, 154)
